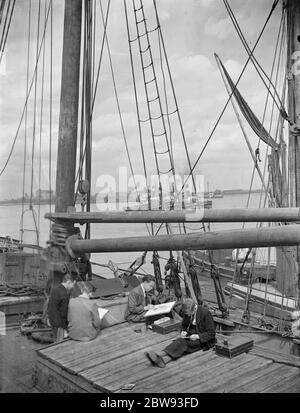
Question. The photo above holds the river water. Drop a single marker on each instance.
(10, 221)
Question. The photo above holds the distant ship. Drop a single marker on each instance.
(218, 194)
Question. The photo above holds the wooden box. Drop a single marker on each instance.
(233, 346)
(167, 326)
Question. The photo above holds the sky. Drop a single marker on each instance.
(193, 31)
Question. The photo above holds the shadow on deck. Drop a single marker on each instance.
(116, 358)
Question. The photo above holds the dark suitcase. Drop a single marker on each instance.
(233, 346)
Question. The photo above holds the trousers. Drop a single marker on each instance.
(182, 346)
(58, 334)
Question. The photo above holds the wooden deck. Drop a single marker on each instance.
(116, 358)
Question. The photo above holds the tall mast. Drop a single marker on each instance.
(67, 139)
(68, 120)
(293, 49)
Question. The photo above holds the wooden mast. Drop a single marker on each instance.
(67, 140)
(68, 119)
(293, 49)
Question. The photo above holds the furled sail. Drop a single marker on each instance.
(253, 121)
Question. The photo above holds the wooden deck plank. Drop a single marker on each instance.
(64, 349)
(70, 350)
(269, 379)
(106, 370)
(113, 330)
(285, 373)
(120, 349)
(132, 371)
(246, 374)
(173, 371)
(217, 375)
(179, 371)
(116, 357)
(245, 382)
(108, 367)
(287, 385)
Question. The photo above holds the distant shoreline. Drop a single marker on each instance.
(225, 192)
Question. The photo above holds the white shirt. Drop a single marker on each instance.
(194, 318)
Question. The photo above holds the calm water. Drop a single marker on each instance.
(10, 219)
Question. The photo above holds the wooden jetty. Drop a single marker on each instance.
(116, 358)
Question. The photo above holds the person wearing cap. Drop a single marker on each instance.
(138, 300)
(198, 333)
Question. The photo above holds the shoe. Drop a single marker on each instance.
(155, 359)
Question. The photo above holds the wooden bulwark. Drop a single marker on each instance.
(116, 358)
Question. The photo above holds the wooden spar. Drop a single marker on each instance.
(201, 215)
(246, 238)
(67, 135)
(293, 30)
(88, 114)
(293, 49)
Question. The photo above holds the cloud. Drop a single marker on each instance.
(193, 31)
(221, 29)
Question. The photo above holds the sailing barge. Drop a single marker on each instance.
(115, 359)
(114, 362)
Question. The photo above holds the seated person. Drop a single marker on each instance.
(138, 301)
(83, 317)
(57, 308)
(198, 332)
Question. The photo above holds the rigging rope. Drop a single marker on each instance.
(250, 281)
(34, 104)
(50, 107)
(264, 115)
(166, 98)
(174, 96)
(81, 160)
(41, 127)
(228, 100)
(26, 100)
(2, 5)
(6, 30)
(118, 103)
(25, 132)
(256, 64)
(137, 107)
(143, 66)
